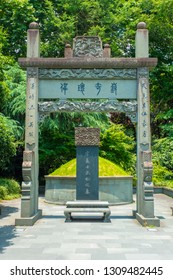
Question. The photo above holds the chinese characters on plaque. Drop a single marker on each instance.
(82, 88)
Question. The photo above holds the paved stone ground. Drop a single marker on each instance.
(53, 239)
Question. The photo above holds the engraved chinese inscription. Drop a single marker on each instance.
(144, 112)
(30, 115)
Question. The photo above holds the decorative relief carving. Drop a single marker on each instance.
(27, 166)
(143, 72)
(107, 106)
(27, 156)
(87, 73)
(86, 136)
(42, 116)
(129, 108)
(90, 46)
(148, 171)
(147, 175)
(32, 72)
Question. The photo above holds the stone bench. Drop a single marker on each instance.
(87, 207)
(172, 209)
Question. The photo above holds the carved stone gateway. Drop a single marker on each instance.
(87, 79)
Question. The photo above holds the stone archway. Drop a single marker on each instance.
(88, 72)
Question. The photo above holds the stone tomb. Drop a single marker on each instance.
(87, 180)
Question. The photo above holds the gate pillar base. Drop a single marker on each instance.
(145, 222)
(28, 221)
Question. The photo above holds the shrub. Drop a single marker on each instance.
(162, 176)
(118, 147)
(9, 189)
(7, 146)
(3, 192)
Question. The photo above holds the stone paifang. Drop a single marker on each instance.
(88, 70)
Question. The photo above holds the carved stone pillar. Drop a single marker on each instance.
(145, 199)
(29, 201)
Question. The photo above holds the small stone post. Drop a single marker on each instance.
(29, 201)
(145, 199)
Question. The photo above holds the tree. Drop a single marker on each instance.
(15, 79)
(57, 144)
(163, 152)
(4, 61)
(162, 101)
(60, 21)
(117, 147)
(15, 16)
(7, 147)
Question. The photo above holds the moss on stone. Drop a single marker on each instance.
(106, 168)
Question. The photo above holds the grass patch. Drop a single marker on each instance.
(9, 189)
(106, 168)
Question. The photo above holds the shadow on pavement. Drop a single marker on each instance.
(7, 233)
(7, 211)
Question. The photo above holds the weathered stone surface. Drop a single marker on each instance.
(89, 46)
(88, 62)
(87, 136)
(87, 207)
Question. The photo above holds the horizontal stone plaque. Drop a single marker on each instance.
(87, 89)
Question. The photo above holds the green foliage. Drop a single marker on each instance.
(15, 16)
(7, 147)
(57, 137)
(106, 168)
(4, 60)
(163, 162)
(55, 147)
(3, 192)
(9, 189)
(162, 176)
(162, 100)
(118, 147)
(15, 79)
(60, 21)
(163, 152)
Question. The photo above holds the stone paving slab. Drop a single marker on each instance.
(51, 238)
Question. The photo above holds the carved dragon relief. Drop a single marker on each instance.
(129, 108)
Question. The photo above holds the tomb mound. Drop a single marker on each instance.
(106, 168)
